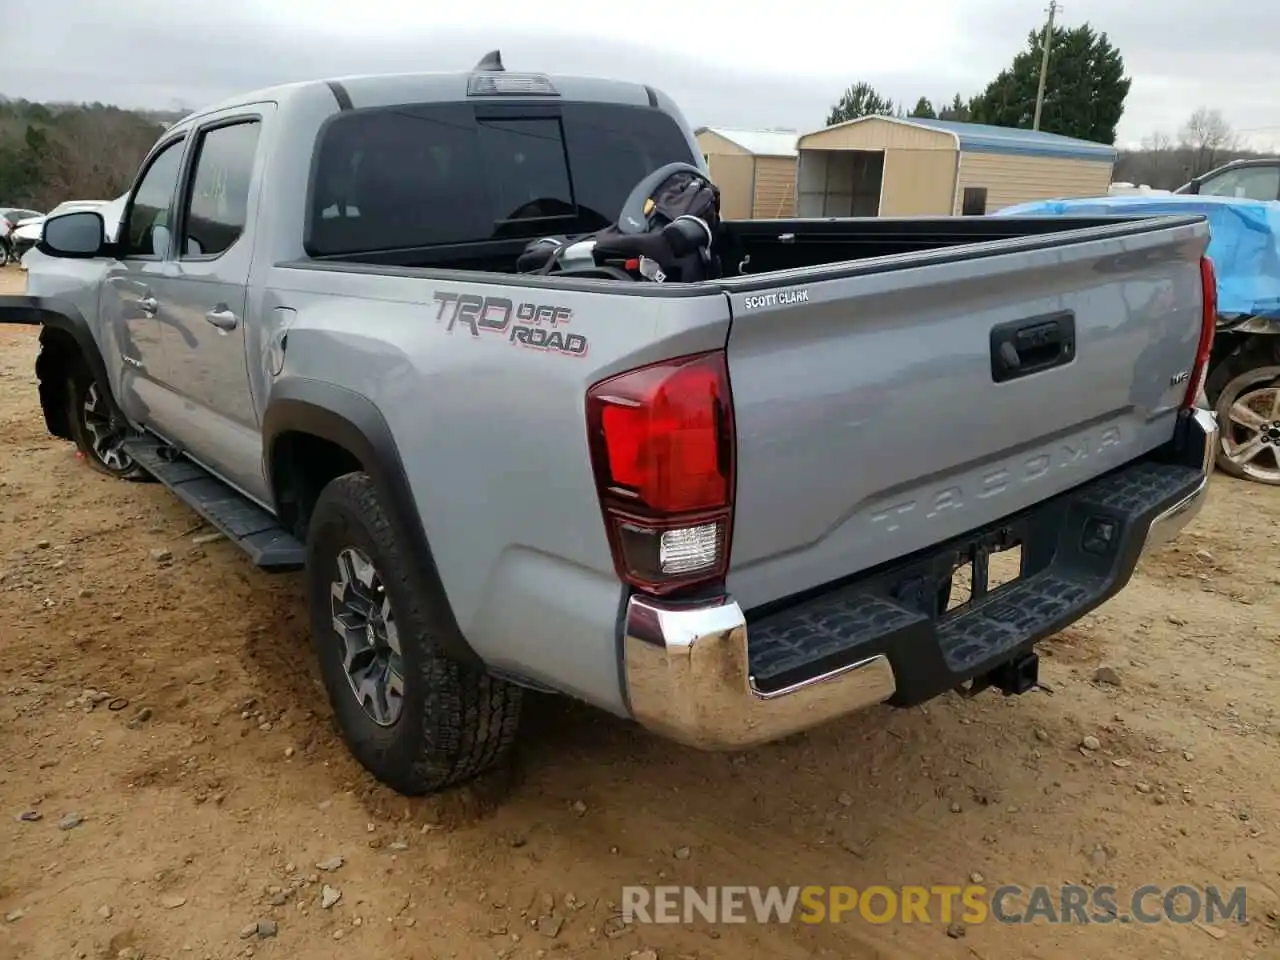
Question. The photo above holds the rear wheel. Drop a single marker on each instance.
(98, 436)
(414, 718)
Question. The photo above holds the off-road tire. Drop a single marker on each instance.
(456, 721)
(79, 382)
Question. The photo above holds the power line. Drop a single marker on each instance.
(1045, 44)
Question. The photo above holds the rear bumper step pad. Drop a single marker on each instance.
(1078, 549)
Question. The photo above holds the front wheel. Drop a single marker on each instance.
(1248, 409)
(98, 436)
(414, 718)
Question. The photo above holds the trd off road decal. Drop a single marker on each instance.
(532, 325)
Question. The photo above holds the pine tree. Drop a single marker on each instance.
(924, 108)
(860, 100)
(1085, 88)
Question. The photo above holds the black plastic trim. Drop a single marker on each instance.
(525, 280)
(893, 610)
(652, 94)
(59, 314)
(353, 422)
(1020, 348)
(340, 94)
(979, 246)
(243, 522)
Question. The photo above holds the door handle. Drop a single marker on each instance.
(1023, 347)
(222, 318)
(148, 305)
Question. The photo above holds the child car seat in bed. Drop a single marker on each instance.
(666, 232)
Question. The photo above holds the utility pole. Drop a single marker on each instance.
(1044, 62)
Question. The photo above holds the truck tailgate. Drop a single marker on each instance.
(887, 405)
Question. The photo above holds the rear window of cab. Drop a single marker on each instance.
(460, 173)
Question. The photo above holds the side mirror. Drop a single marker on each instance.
(80, 234)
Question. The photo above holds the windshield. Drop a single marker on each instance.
(456, 173)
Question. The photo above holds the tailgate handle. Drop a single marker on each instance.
(1020, 348)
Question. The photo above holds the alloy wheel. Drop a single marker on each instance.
(368, 642)
(105, 437)
(1249, 414)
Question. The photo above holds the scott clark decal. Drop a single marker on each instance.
(532, 325)
(783, 298)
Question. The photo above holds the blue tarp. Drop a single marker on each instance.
(1244, 239)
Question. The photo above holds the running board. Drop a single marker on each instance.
(242, 521)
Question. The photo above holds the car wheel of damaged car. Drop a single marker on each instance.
(97, 434)
(1248, 409)
(416, 719)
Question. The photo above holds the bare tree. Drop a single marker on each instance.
(1208, 134)
(1158, 147)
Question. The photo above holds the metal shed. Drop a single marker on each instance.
(754, 169)
(898, 167)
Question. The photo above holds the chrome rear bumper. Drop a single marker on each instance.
(688, 672)
(688, 679)
(1202, 435)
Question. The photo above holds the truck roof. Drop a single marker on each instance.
(376, 90)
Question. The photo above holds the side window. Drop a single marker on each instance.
(218, 200)
(148, 233)
(1252, 183)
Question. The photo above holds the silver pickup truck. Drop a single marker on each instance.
(730, 509)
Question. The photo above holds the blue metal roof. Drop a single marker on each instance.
(984, 138)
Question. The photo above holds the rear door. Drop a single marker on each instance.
(204, 295)
(875, 415)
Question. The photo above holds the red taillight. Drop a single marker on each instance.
(662, 448)
(1208, 325)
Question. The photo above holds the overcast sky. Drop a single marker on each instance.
(743, 63)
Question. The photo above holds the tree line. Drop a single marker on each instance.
(1167, 161)
(55, 152)
(1084, 95)
(1085, 92)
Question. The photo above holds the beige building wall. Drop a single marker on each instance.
(712, 144)
(737, 172)
(876, 133)
(918, 183)
(1017, 178)
(733, 175)
(775, 188)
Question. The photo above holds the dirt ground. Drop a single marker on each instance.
(173, 706)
